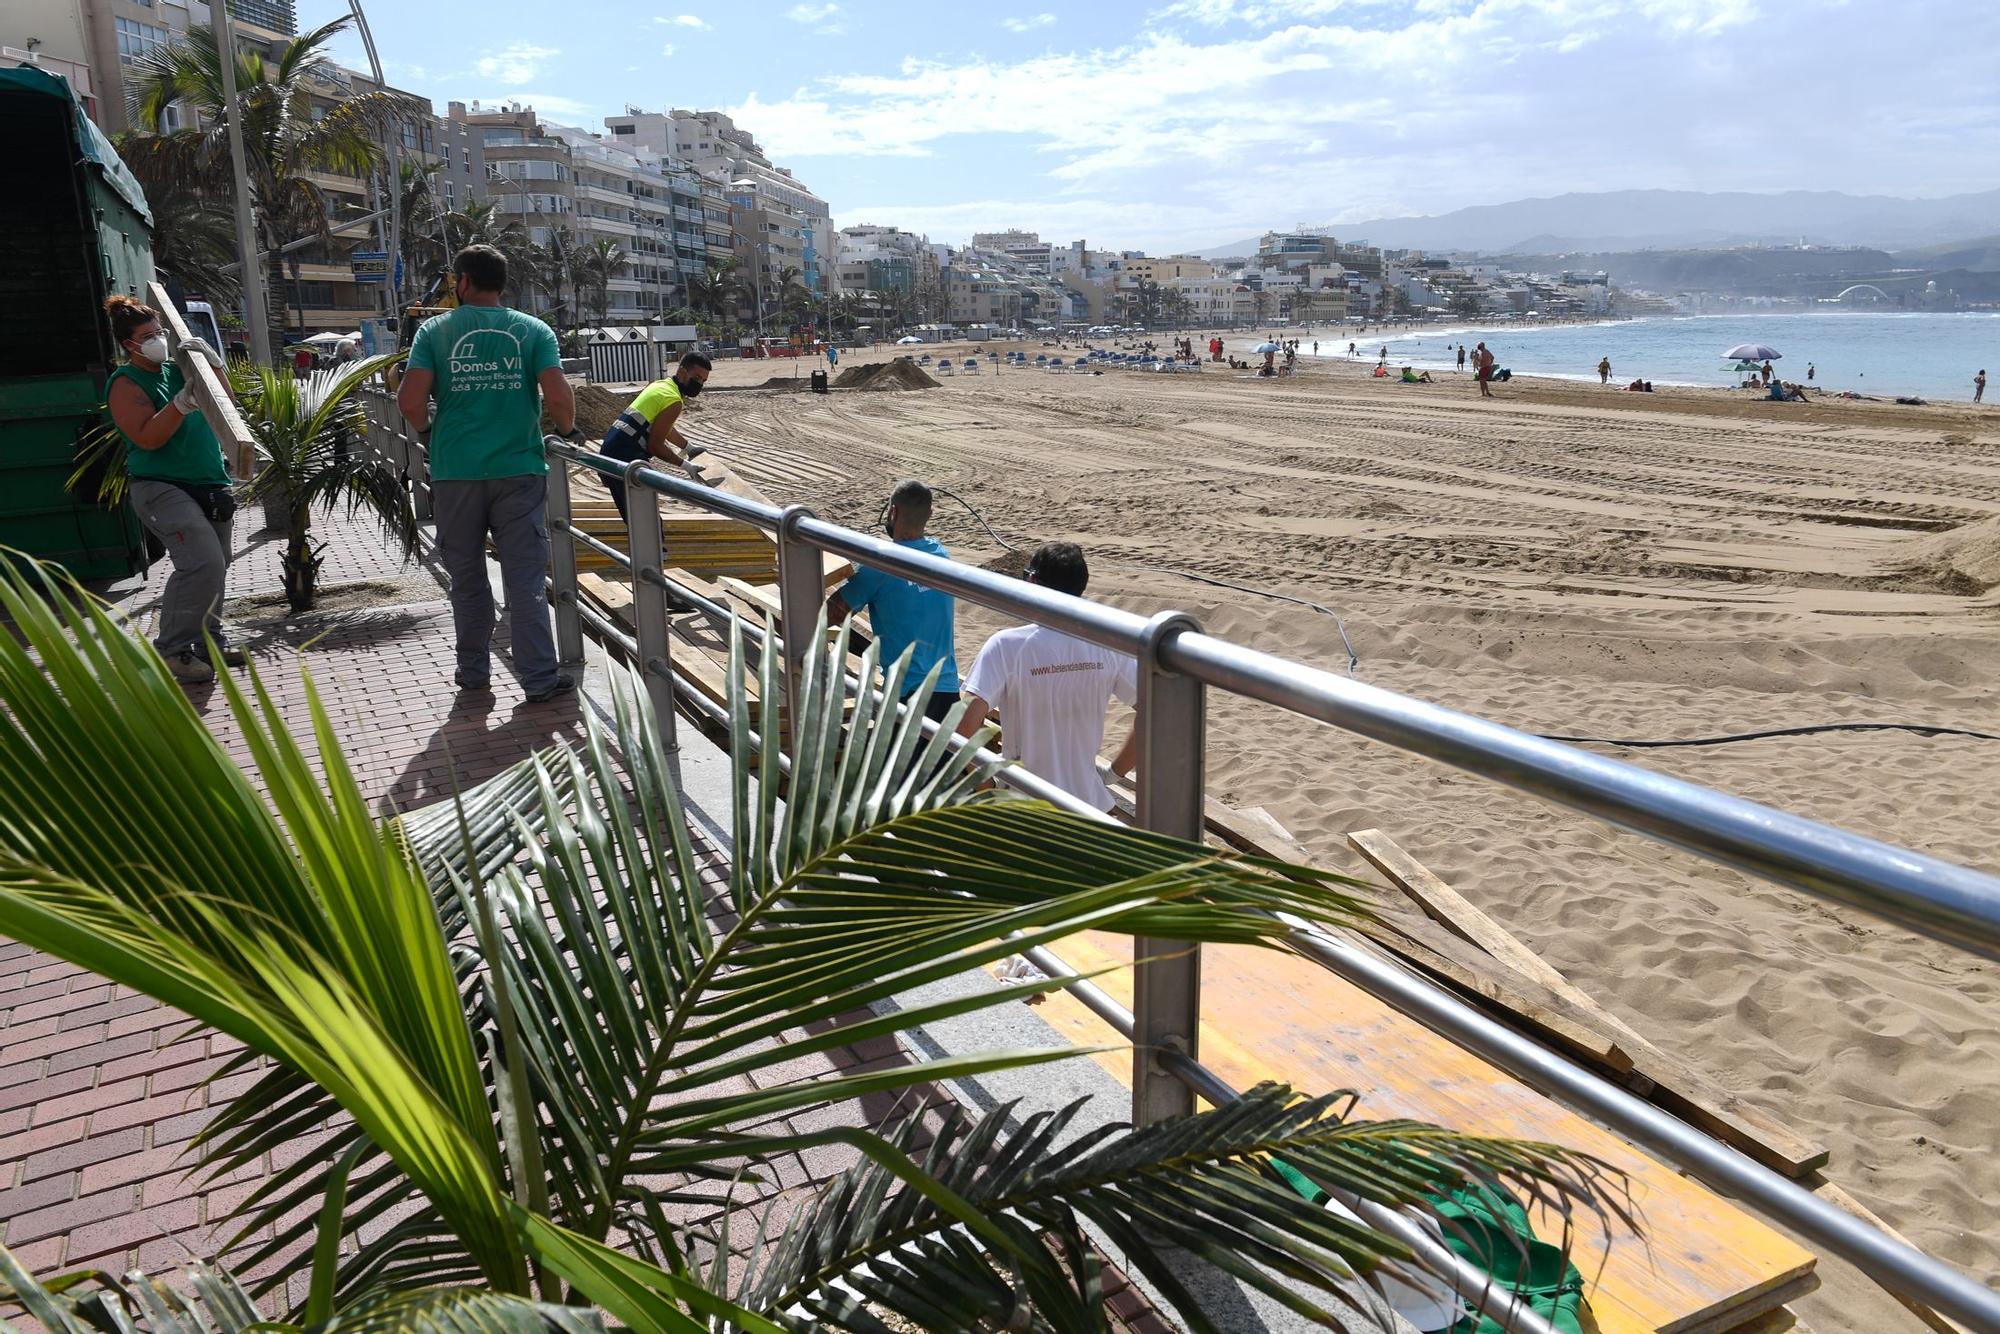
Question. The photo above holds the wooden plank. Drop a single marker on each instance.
(1839, 1198)
(1450, 909)
(1273, 1016)
(1760, 1313)
(1676, 1086)
(218, 408)
(1542, 1012)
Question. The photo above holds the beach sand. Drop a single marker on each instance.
(1567, 559)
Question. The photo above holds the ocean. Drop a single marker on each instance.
(1928, 355)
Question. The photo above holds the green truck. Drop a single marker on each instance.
(76, 229)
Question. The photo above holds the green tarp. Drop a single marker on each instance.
(90, 141)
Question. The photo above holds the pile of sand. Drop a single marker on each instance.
(597, 408)
(1972, 552)
(902, 373)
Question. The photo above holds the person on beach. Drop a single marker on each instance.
(1767, 373)
(905, 615)
(492, 373)
(1604, 371)
(179, 486)
(1050, 690)
(1350, 351)
(1461, 358)
(1809, 372)
(651, 424)
(1979, 386)
(1482, 365)
(1315, 347)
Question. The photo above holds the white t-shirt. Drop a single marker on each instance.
(1050, 690)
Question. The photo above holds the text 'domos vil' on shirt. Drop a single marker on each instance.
(488, 419)
(1050, 690)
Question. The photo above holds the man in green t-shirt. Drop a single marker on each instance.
(491, 372)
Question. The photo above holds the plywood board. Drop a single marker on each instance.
(1274, 1016)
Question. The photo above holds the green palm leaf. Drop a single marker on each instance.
(213, 1302)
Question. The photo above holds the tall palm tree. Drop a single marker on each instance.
(600, 262)
(555, 267)
(714, 291)
(285, 137)
(537, 1030)
(193, 239)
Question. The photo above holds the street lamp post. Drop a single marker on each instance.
(392, 243)
(255, 313)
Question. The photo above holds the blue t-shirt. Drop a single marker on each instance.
(905, 615)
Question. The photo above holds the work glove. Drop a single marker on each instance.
(184, 400)
(200, 347)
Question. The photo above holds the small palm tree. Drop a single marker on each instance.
(287, 133)
(537, 1029)
(311, 440)
(556, 270)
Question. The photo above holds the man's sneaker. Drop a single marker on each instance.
(190, 668)
(564, 685)
(464, 682)
(232, 655)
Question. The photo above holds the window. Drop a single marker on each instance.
(136, 39)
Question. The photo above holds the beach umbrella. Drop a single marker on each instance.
(911, 339)
(1752, 352)
(1267, 347)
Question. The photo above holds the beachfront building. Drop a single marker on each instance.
(874, 258)
(1024, 250)
(778, 221)
(1146, 269)
(554, 178)
(93, 43)
(1294, 252)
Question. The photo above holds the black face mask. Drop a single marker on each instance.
(690, 388)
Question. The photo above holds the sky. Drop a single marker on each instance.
(1194, 123)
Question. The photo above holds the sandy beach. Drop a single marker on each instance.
(1565, 559)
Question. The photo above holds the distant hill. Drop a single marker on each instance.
(1625, 220)
(1981, 255)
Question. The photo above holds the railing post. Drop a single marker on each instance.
(562, 565)
(1166, 992)
(647, 546)
(801, 590)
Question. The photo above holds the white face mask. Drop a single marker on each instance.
(154, 349)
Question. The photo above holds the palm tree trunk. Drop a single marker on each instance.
(302, 560)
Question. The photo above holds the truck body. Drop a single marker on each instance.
(77, 229)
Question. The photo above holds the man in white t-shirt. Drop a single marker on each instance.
(1050, 689)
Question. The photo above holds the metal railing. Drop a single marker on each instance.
(1178, 663)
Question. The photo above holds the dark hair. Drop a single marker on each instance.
(913, 498)
(696, 361)
(1059, 566)
(127, 314)
(483, 266)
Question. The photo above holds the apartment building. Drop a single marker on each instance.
(777, 221)
(596, 188)
(873, 258)
(1166, 270)
(93, 43)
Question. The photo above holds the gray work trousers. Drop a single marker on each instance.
(199, 551)
(515, 511)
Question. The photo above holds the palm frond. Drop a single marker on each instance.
(1200, 1184)
(209, 1300)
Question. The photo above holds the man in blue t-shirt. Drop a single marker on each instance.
(906, 615)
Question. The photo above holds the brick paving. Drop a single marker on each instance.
(101, 1090)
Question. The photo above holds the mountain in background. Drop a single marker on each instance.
(1679, 219)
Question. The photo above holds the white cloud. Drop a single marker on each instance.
(521, 62)
(1028, 24)
(682, 20)
(554, 105)
(667, 49)
(820, 18)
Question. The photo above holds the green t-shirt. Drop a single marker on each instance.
(488, 418)
(192, 454)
